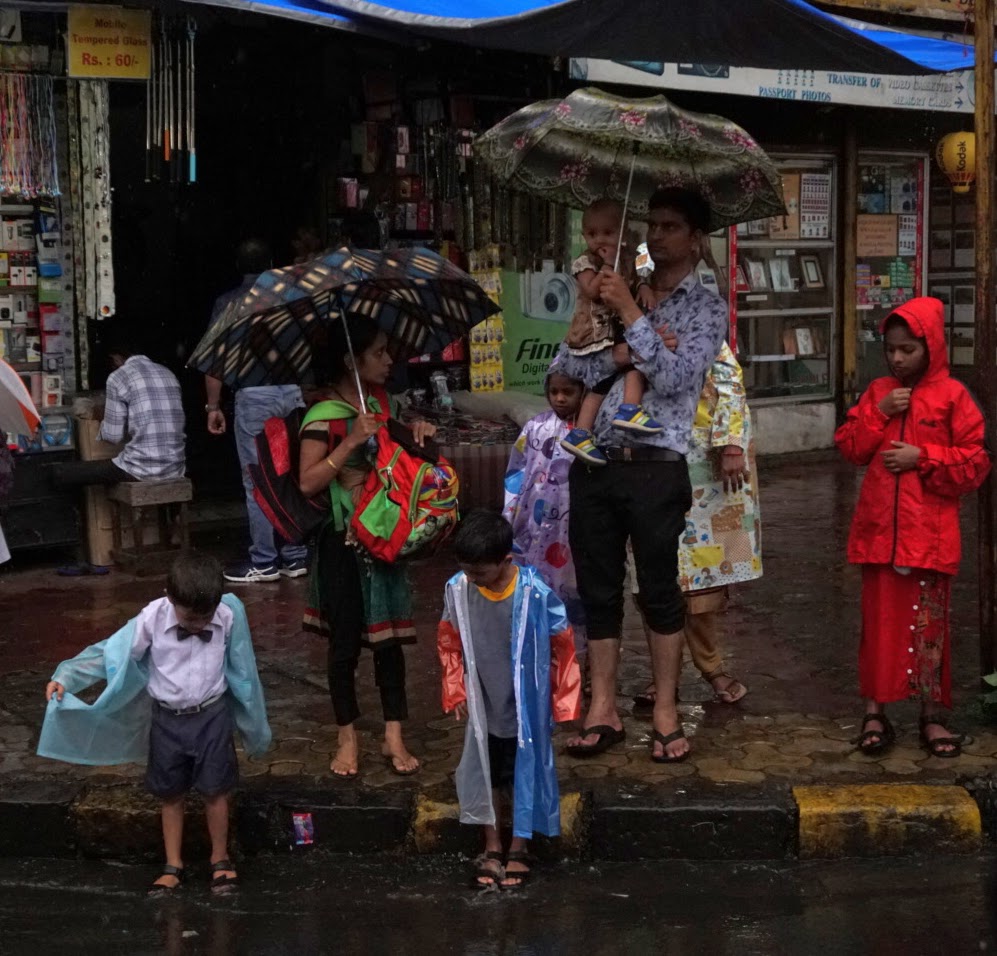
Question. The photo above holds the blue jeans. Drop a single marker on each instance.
(253, 406)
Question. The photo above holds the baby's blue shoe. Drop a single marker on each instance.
(633, 418)
(579, 443)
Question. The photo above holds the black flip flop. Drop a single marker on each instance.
(608, 737)
(872, 743)
(665, 741)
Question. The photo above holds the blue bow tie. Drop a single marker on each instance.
(183, 634)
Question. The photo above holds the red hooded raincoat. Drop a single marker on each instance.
(911, 520)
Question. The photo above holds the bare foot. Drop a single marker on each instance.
(346, 762)
(402, 762)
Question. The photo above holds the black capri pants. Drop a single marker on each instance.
(645, 502)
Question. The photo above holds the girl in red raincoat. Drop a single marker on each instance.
(921, 435)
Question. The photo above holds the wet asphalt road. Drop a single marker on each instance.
(314, 904)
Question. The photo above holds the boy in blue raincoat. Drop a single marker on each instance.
(509, 666)
(180, 677)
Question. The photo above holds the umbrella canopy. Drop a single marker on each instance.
(278, 333)
(582, 148)
(18, 415)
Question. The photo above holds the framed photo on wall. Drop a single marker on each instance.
(782, 280)
(813, 275)
(756, 275)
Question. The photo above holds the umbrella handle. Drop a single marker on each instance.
(349, 347)
(626, 203)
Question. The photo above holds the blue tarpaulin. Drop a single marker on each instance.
(773, 34)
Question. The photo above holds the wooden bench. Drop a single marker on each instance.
(150, 503)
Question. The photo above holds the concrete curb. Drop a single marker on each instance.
(60, 818)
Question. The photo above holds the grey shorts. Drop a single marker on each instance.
(191, 751)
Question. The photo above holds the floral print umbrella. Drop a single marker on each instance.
(584, 147)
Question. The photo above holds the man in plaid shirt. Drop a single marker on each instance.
(144, 410)
(143, 406)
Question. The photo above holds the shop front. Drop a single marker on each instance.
(870, 223)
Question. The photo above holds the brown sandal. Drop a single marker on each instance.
(732, 693)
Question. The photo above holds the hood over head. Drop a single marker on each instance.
(925, 317)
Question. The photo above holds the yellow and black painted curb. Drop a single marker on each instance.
(605, 821)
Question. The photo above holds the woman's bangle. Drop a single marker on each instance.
(332, 464)
(732, 450)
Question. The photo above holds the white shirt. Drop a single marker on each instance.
(182, 673)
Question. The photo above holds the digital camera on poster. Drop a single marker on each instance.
(547, 294)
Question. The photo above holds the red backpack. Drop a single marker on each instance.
(407, 501)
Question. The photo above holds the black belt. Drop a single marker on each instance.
(187, 711)
(617, 453)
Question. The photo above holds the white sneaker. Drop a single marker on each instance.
(249, 573)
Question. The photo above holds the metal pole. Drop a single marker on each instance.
(985, 355)
(626, 204)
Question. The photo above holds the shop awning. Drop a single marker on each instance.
(775, 34)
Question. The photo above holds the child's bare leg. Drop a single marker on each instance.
(591, 404)
(633, 387)
(172, 816)
(216, 815)
(346, 761)
(588, 411)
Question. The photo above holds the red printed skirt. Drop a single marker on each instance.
(905, 650)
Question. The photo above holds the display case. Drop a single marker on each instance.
(951, 264)
(784, 276)
(889, 247)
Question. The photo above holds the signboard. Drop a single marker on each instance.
(536, 320)
(933, 9)
(945, 93)
(109, 43)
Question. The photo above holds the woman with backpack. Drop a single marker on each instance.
(354, 600)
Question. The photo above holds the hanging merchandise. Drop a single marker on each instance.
(90, 191)
(192, 157)
(27, 136)
(487, 337)
(170, 154)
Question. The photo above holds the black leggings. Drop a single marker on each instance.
(389, 675)
(344, 609)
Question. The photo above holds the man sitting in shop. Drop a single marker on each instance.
(143, 410)
(252, 407)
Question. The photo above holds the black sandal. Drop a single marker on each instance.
(223, 884)
(159, 889)
(665, 740)
(934, 746)
(482, 869)
(872, 742)
(521, 876)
